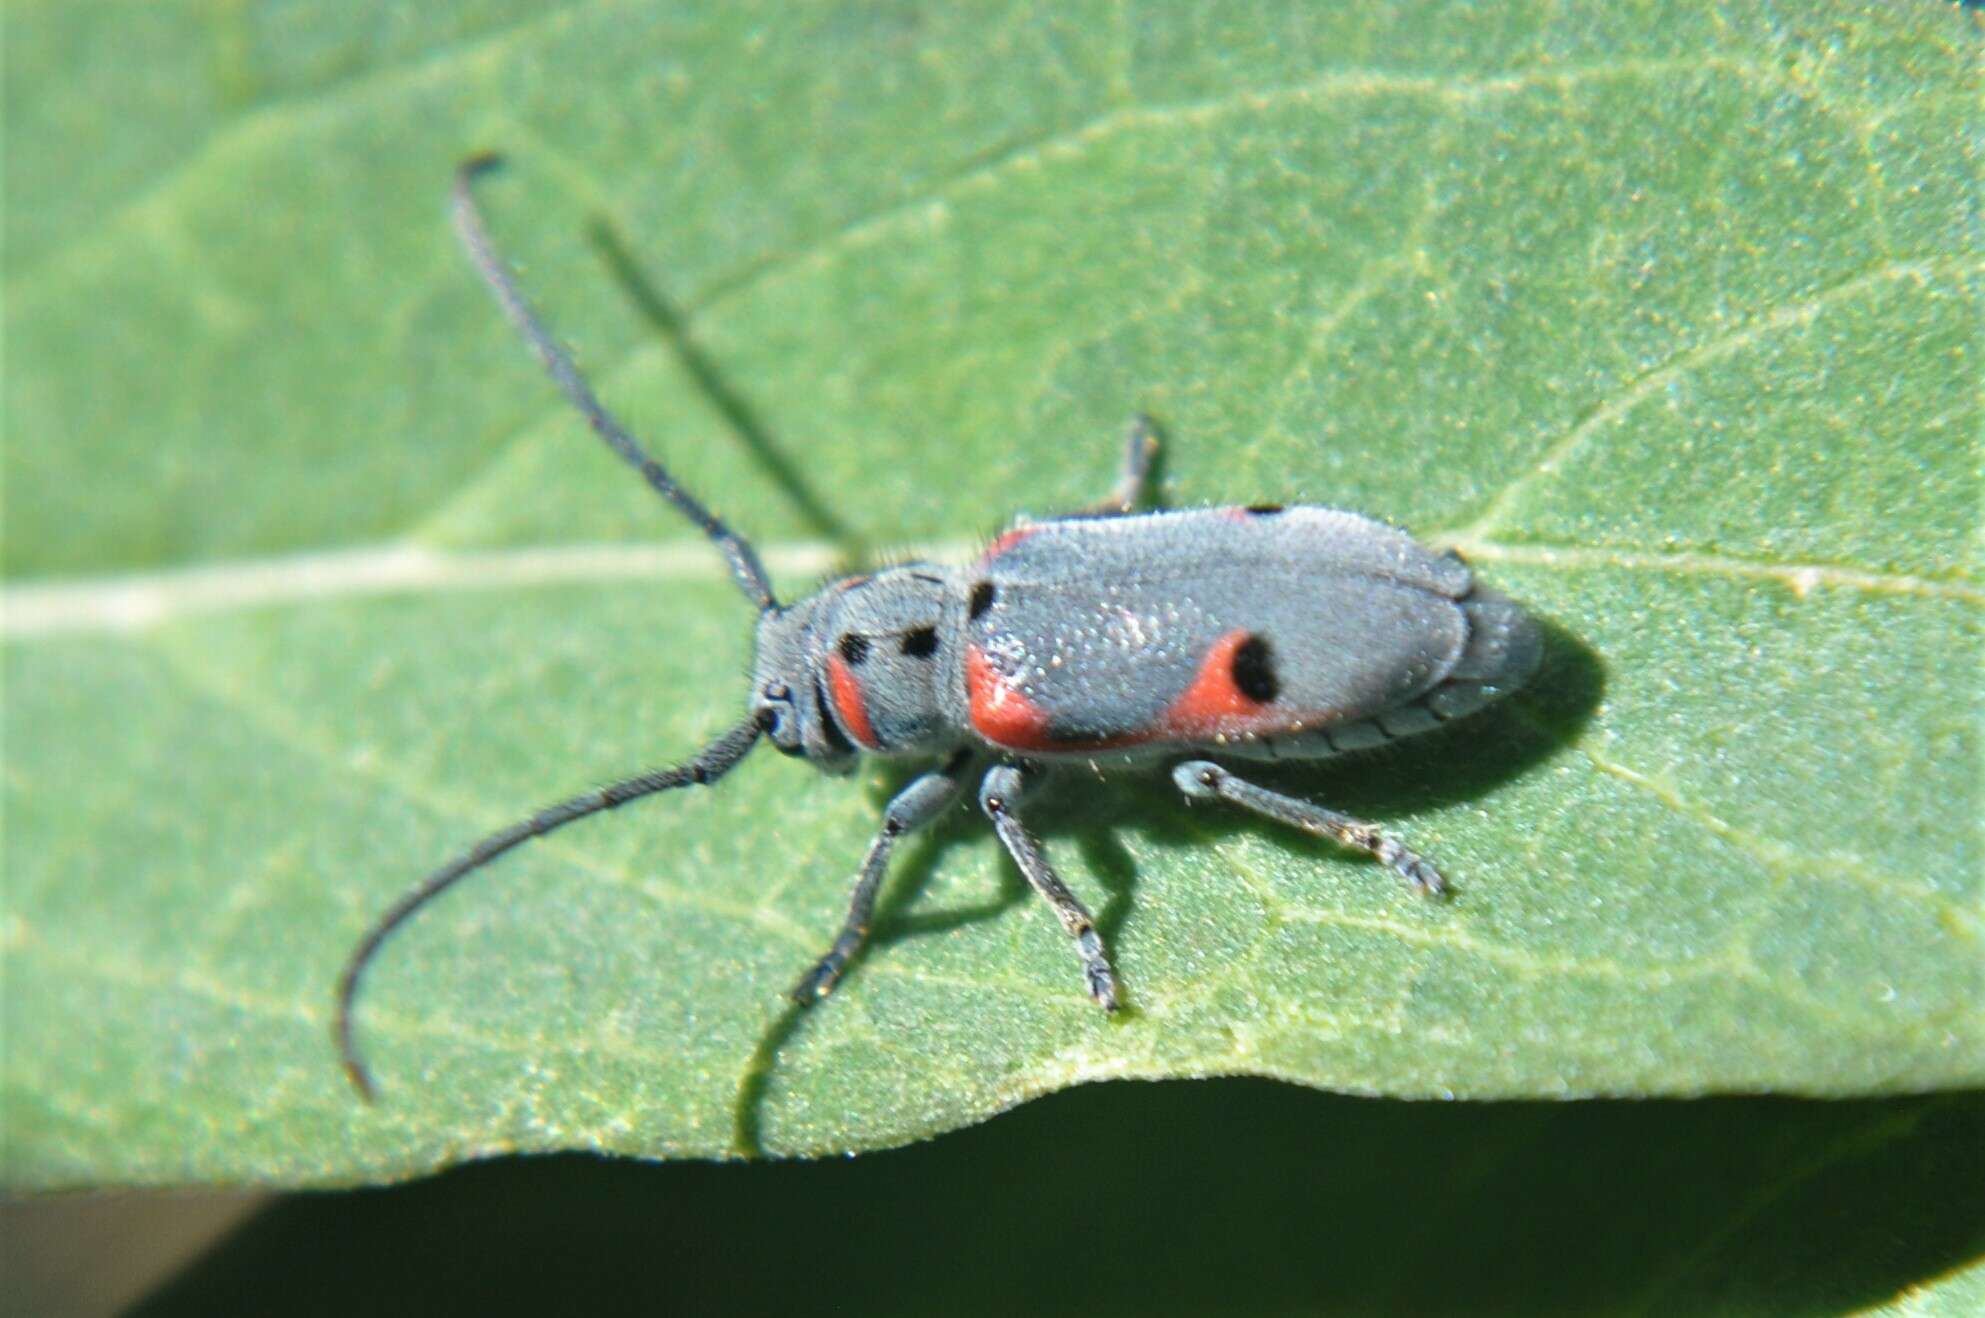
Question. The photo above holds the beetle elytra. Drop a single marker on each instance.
(1108, 636)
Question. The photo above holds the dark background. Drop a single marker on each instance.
(1212, 1196)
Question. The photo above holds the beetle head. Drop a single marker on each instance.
(782, 688)
(857, 667)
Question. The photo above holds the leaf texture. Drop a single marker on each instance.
(1666, 316)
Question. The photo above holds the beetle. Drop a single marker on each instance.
(1108, 637)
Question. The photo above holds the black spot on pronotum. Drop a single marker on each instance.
(1263, 509)
(921, 643)
(1254, 670)
(983, 595)
(854, 649)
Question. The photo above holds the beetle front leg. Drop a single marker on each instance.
(1205, 780)
(922, 800)
(999, 796)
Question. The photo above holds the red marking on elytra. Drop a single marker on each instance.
(1213, 704)
(849, 705)
(1006, 541)
(1001, 711)
(1004, 715)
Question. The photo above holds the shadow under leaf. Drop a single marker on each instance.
(1227, 1196)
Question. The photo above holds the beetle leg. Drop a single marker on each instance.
(922, 800)
(1000, 794)
(1205, 780)
(1140, 447)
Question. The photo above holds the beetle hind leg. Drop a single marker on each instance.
(999, 797)
(1204, 780)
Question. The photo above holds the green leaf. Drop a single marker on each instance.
(1956, 1295)
(1668, 317)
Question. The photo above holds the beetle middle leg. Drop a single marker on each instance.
(1204, 780)
(922, 800)
(1000, 793)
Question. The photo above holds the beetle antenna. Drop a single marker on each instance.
(745, 567)
(710, 764)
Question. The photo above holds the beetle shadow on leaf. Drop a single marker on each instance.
(899, 913)
(1453, 764)
(1387, 785)
(669, 322)
(899, 918)
(1464, 760)
(896, 919)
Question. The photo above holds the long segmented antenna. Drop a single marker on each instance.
(745, 567)
(710, 764)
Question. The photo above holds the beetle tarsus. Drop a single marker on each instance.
(1096, 969)
(1415, 870)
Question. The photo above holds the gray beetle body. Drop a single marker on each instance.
(1108, 637)
(1295, 633)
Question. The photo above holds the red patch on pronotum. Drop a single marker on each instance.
(849, 705)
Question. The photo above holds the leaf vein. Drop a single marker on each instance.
(1801, 578)
(1780, 858)
(282, 728)
(149, 204)
(1496, 512)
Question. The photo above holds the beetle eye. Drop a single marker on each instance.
(775, 705)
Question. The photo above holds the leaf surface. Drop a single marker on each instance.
(1667, 318)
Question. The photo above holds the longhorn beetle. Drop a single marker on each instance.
(1107, 636)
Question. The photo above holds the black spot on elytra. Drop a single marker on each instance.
(1263, 509)
(983, 596)
(921, 643)
(1254, 670)
(854, 649)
